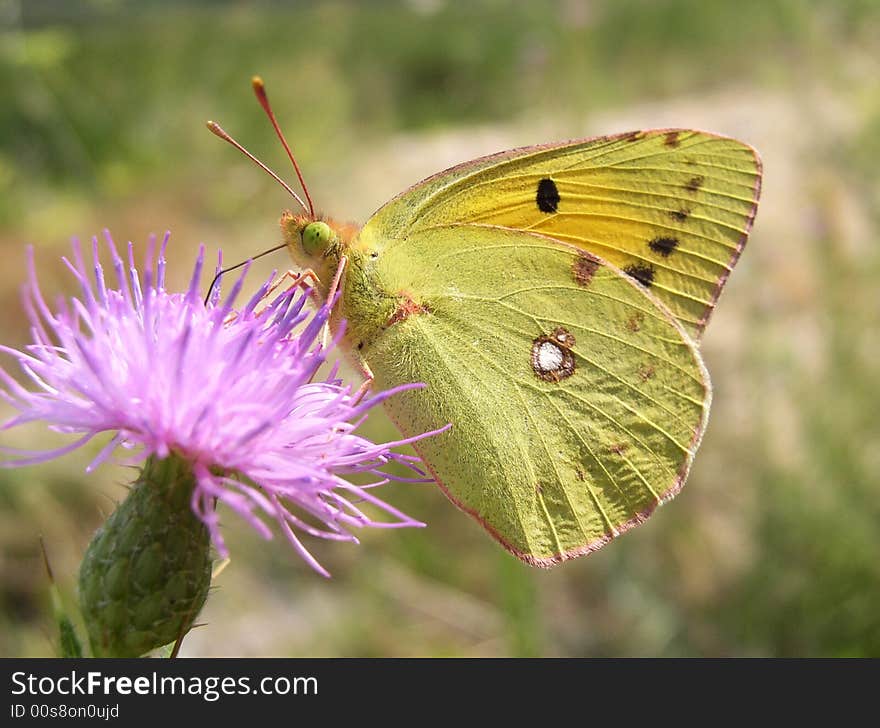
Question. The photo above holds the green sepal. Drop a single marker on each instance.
(69, 643)
(146, 574)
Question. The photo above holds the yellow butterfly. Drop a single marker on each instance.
(551, 298)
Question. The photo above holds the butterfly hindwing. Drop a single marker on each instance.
(672, 208)
(576, 400)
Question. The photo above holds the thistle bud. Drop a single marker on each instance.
(146, 573)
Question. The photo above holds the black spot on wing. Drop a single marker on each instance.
(644, 274)
(663, 245)
(548, 195)
(679, 215)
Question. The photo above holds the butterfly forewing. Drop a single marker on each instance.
(671, 208)
(576, 400)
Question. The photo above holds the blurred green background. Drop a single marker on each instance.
(773, 548)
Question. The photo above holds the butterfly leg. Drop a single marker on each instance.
(331, 294)
(367, 383)
(337, 277)
(296, 280)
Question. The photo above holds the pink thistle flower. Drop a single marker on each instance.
(232, 392)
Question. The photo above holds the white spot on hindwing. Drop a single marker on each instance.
(552, 359)
(549, 357)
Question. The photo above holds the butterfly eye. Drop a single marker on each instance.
(315, 237)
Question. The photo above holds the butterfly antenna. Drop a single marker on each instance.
(260, 91)
(238, 265)
(218, 130)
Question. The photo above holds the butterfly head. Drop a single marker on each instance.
(316, 243)
(311, 238)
